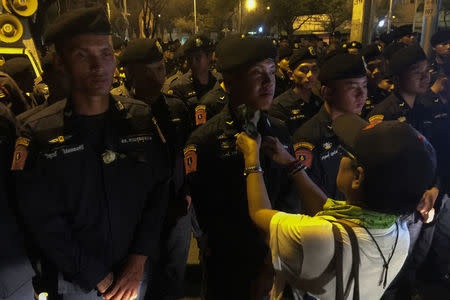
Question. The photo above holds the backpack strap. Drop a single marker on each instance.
(354, 273)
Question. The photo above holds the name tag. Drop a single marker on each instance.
(136, 139)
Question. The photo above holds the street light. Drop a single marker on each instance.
(251, 5)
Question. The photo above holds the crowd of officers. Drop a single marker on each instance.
(110, 165)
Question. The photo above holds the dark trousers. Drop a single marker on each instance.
(168, 275)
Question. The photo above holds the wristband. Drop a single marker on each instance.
(255, 169)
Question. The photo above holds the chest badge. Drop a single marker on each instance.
(327, 146)
(402, 119)
(109, 156)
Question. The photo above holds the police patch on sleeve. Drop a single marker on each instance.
(376, 119)
(200, 114)
(20, 154)
(190, 159)
(303, 152)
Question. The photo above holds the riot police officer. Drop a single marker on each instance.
(235, 257)
(144, 65)
(95, 169)
(344, 89)
(379, 85)
(190, 87)
(298, 104)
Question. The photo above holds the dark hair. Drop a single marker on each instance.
(399, 200)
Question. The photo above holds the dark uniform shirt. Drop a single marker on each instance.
(191, 91)
(215, 100)
(374, 97)
(395, 108)
(15, 267)
(89, 204)
(316, 144)
(293, 111)
(218, 188)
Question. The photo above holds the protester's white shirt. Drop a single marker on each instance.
(303, 247)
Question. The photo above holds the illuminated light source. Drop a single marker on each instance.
(260, 29)
(381, 23)
(268, 7)
(251, 4)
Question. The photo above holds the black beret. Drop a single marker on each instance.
(141, 51)
(284, 52)
(341, 66)
(371, 52)
(440, 37)
(91, 20)
(401, 31)
(234, 52)
(16, 65)
(386, 38)
(197, 42)
(301, 55)
(406, 57)
(354, 45)
(390, 49)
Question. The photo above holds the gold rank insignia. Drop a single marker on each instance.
(59, 139)
(120, 106)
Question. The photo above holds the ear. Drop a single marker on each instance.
(358, 178)
(326, 92)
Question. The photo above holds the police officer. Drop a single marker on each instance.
(95, 169)
(21, 70)
(440, 43)
(283, 81)
(234, 253)
(15, 268)
(298, 104)
(404, 34)
(344, 90)
(11, 95)
(191, 86)
(143, 62)
(379, 85)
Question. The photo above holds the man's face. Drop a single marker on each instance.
(199, 61)
(416, 79)
(443, 50)
(305, 75)
(347, 95)
(374, 70)
(89, 61)
(148, 76)
(407, 39)
(254, 86)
